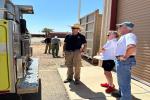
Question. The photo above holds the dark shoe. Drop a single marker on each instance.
(67, 80)
(76, 82)
(116, 94)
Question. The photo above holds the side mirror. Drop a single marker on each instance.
(23, 27)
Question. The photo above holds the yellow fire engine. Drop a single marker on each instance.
(18, 70)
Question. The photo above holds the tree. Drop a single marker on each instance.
(47, 30)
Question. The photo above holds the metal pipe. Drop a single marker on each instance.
(79, 10)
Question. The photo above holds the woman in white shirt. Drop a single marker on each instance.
(108, 57)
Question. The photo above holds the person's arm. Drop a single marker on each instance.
(51, 40)
(64, 46)
(45, 40)
(105, 46)
(83, 48)
(131, 47)
(102, 50)
(84, 44)
(64, 49)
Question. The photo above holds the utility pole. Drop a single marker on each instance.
(79, 10)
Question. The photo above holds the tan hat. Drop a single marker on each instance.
(76, 26)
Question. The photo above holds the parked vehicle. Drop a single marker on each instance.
(18, 70)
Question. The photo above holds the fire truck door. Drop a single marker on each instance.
(4, 57)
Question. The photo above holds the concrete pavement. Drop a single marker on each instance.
(52, 87)
(91, 77)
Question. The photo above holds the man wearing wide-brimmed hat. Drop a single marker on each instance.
(74, 45)
(125, 54)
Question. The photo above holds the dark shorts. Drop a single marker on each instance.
(108, 65)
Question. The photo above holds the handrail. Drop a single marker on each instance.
(5, 10)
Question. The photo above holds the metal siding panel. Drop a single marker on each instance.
(138, 11)
(91, 24)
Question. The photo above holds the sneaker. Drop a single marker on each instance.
(104, 85)
(116, 94)
(54, 56)
(110, 89)
(76, 82)
(67, 80)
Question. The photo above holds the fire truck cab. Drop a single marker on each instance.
(18, 69)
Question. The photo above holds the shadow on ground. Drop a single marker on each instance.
(134, 98)
(86, 93)
(32, 96)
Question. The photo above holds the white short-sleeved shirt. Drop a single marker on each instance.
(110, 50)
(123, 42)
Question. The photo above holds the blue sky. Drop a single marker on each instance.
(57, 14)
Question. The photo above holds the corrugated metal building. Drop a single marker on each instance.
(91, 24)
(138, 12)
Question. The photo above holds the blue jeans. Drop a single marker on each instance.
(123, 69)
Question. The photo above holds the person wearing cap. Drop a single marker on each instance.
(108, 57)
(125, 54)
(55, 42)
(74, 45)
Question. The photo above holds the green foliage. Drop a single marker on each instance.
(47, 30)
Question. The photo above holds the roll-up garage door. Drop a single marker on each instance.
(138, 11)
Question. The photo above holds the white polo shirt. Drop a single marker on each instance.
(123, 42)
(110, 50)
